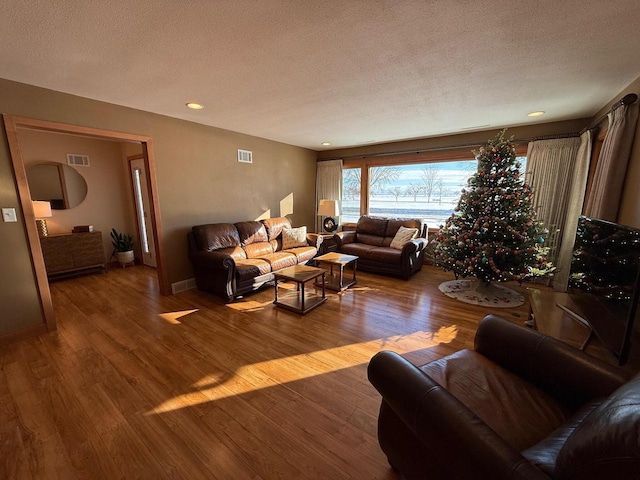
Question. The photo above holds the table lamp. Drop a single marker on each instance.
(329, 209)
(42, 210)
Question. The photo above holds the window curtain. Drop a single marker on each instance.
(551, 172)
(328, 185)
(606, 190)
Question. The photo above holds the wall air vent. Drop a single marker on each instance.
(77, 160)
(245, 156)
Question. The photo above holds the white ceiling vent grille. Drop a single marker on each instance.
(245, 156)
(77, 160)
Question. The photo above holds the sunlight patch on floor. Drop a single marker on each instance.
(270, 373)
(248, 306)
(172, 317)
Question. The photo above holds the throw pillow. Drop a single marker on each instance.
(403, 236)
(294, 237)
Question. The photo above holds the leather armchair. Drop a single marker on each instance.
(519, 406)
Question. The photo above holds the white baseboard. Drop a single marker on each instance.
(187, 284)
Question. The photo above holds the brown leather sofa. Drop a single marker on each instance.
(371, 241)
(230, 259)
(521, 406)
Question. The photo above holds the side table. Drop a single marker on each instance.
(300, 301)
(324, 242)
(339, 261)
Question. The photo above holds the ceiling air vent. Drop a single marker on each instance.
(245, 156)
(77, 160)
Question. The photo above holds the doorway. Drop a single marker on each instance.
(12, 125)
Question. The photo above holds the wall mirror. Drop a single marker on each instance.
(59, 184)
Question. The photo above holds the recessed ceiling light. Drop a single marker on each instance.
(195, 106)
(325, 144)
(536, 114)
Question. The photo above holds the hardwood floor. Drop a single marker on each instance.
(135, 385)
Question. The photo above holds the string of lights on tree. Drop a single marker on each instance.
(493, 234)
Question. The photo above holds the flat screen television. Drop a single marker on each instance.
(604, 282)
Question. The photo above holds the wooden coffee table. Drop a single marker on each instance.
(339, 262)
(300, 301)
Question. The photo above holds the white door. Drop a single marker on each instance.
(141, 199)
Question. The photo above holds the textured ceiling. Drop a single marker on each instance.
(346, 71)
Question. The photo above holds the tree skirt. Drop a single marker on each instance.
(478, 293)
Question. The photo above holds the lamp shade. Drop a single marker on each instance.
(328, 208)
(42, 209)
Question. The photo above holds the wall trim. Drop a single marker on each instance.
(184, 285)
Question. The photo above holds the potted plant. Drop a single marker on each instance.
(122, 247)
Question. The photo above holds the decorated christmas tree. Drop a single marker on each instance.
(493, 234)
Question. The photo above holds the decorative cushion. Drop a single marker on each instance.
(403, 236)
(275, 225)
(294, 237)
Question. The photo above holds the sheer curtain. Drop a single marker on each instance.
(551, 167)
(328, 185)
(608, 180)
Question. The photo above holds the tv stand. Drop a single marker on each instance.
(578, 318)
(554, 314)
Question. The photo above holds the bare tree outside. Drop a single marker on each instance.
(429, 177)
(381, 176)
(351, 182)
(396, 191)
(413, 190)
(439, 186)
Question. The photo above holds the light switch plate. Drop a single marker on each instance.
(9, 215)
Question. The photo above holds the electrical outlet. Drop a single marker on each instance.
(9, 215)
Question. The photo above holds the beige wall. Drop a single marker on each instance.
(476, 138)
(107, 204)
(629, 213)
(199, 181)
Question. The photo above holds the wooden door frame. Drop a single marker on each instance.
(12, 124)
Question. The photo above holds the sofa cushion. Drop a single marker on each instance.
(372, 226)
(294, 237)
(258, 250)
(607, 441)
(236, 252)
(394, 225)
(215, 236)
(280, 260)
(526, 414)
(403, 236)
(251, 232)
(545, 453)
(250, 268)
(303, 254)
(357, 249)
(384, 255)
(275, 225)
(369, 239)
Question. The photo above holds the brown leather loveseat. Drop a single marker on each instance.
(371, 243)
(519, 406)
(230, 259)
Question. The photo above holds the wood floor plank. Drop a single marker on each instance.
(136, 385)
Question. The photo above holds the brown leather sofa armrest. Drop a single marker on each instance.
(444, 425)
(314, 240)
(342, 238)
(213, 260)
(415, 245)
(564, 372)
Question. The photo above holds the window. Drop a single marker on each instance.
(351, 181)
(429, 191)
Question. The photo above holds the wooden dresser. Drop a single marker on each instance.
(72, 253)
